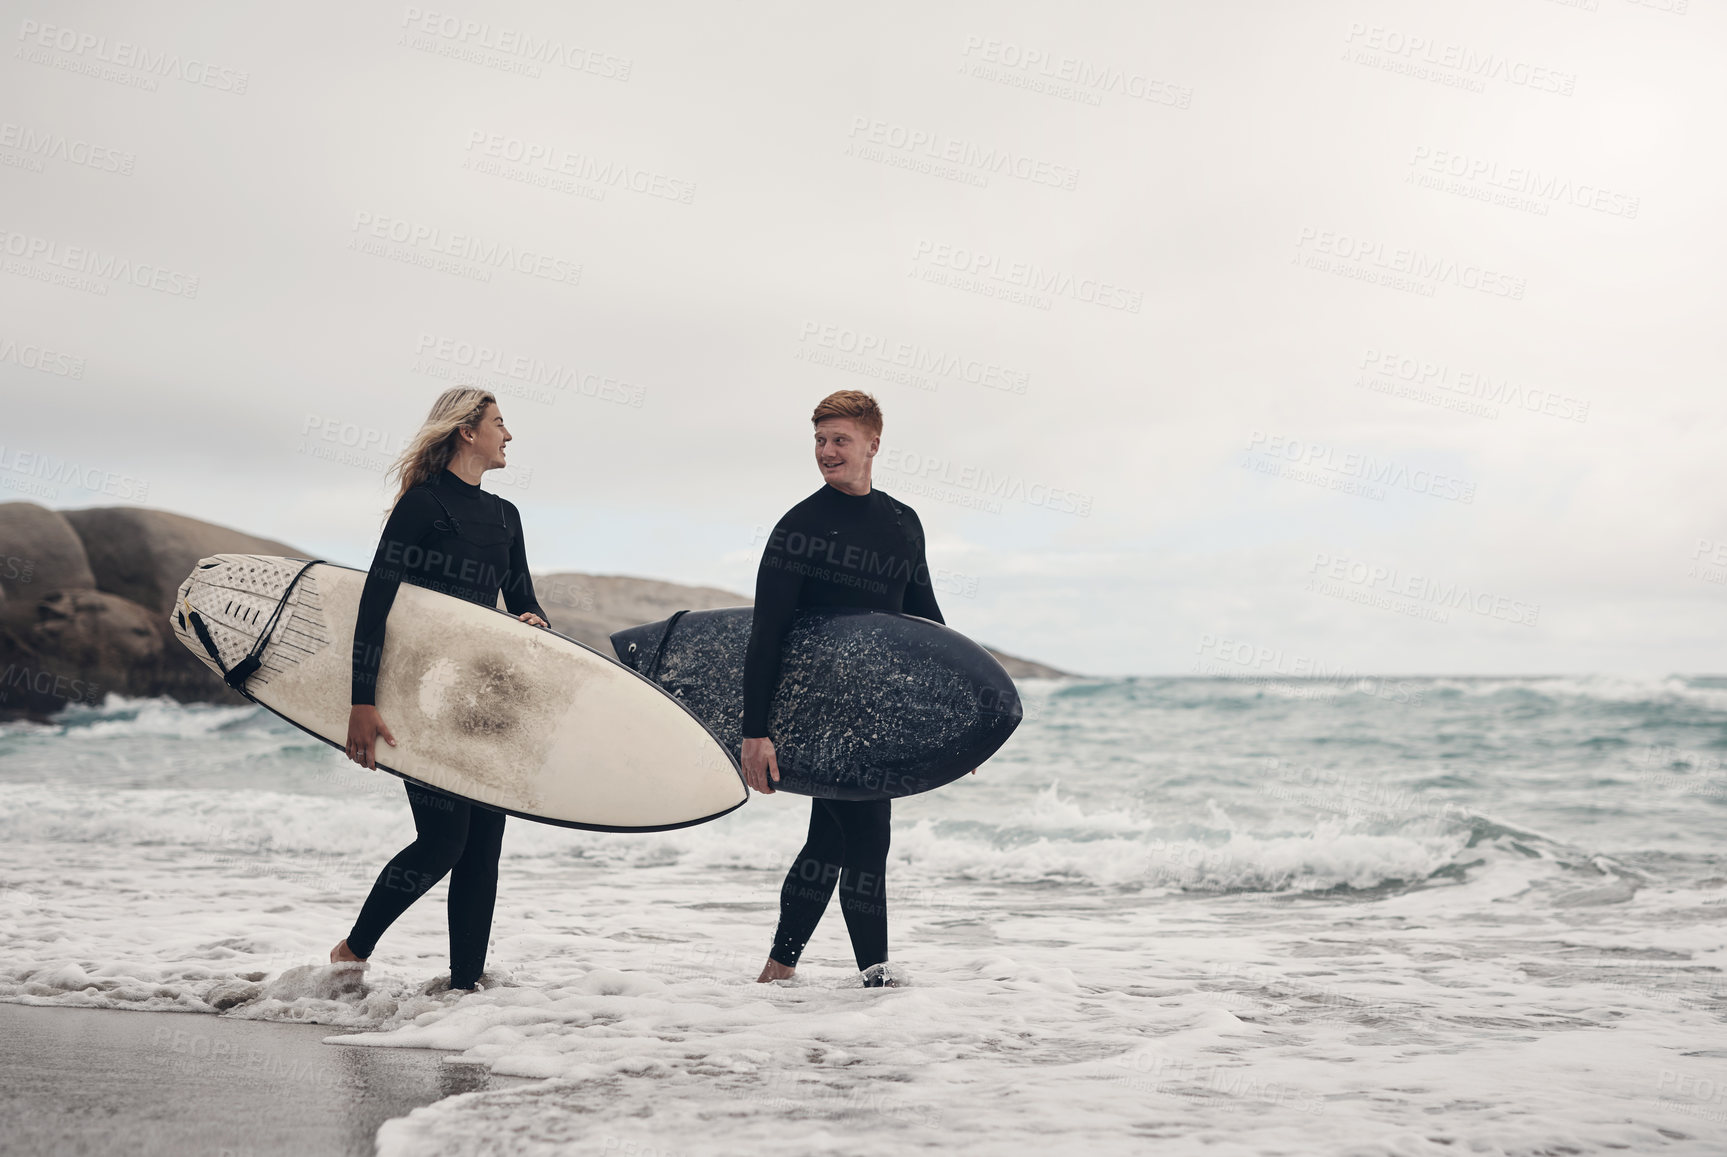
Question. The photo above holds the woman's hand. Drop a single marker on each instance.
(759, 763)
(364, 727)
(532, 619)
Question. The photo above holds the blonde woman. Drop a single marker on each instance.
(446, 534)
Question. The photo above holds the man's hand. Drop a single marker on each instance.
(760, 763)
(364, 727)
(532, 619)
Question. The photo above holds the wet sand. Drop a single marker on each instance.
(104, 1081)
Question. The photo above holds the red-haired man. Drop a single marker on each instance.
(846, 545)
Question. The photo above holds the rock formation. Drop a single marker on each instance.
(85, 595)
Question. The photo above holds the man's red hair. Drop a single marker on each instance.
(853, 404)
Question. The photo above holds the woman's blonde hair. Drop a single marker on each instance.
(433, 448)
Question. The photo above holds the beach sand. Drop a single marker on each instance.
(105, 1081)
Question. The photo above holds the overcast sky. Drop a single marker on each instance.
(1371, 337)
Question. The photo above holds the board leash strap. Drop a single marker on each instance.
(653, 671)
(451, 524)
(237, 675)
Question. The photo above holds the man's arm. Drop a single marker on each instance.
(777, 587)
(920, 591)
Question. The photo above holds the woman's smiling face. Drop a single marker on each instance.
(483, 447)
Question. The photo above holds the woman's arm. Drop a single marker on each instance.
(407, 526)
(519, 584)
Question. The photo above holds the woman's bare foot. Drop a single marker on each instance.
(772, 970)
(341, 954)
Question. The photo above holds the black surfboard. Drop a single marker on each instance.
(870, 704)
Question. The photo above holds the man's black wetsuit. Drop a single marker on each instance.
(455, 538)
(834, 549)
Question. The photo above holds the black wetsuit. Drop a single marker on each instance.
(835, 549)
(447, 536)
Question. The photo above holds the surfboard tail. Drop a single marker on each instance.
(637, 646)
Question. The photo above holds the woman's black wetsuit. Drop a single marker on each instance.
(835, 549)
(451, 537)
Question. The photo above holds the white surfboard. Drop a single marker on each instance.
(484, 706)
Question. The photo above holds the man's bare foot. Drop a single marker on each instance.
(341, 954)
(772, 970)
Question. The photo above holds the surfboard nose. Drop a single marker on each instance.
(635, 646)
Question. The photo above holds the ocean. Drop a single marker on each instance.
(1173, 915)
